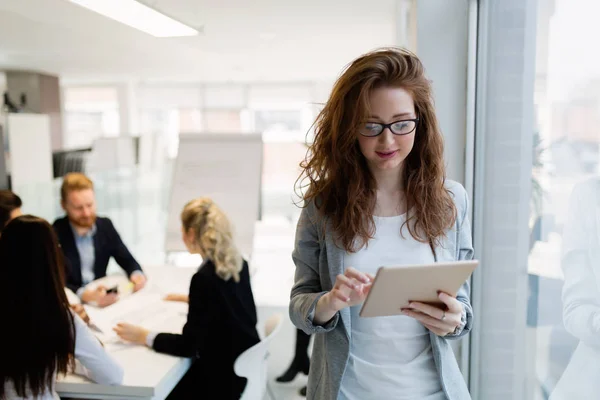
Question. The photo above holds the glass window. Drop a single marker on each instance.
(90, 113)
(163, 127)
(563, 315)
(190, 120)
(282, 120)
(281, 168)
(284, 131)
(222, 121)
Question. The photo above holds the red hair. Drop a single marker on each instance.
(339, 182)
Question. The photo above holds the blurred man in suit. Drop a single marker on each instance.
(89, 241)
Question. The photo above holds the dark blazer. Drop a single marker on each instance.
(107, 244)
(221, 324)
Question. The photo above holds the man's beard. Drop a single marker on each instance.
(83, 222)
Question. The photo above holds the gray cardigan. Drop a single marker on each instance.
(318, 261)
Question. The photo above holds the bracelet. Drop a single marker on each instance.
(458, 329)
(463, 322)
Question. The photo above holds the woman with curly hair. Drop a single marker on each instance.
(222, 319)
(376, 194)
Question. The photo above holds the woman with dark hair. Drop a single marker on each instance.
(10, 207)
(377, 195)
(45, 337)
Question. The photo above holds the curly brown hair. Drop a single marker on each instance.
(340, 183)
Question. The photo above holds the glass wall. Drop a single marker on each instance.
(90, 113)
(282, 113)
(563, 316)
(284, 134)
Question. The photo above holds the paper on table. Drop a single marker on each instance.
(145, 308)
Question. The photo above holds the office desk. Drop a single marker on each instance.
(148, 375)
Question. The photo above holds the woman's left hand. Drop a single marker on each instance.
(438, 320)
(131, 333)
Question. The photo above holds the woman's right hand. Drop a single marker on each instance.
(350, 289)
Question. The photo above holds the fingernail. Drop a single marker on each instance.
(411, 305)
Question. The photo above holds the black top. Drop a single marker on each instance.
(221, 324)
(107, 244)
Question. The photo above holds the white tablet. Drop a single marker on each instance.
(395, 286)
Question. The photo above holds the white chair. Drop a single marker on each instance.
(252, 363)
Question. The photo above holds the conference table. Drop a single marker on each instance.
(148, 374)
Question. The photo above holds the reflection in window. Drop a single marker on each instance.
(564, 269)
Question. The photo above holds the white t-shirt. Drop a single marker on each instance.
(390, 357)
(92, 361)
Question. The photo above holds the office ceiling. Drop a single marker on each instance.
(242, 40)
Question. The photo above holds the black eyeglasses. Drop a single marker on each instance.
(403, 127)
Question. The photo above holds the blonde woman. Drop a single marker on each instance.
(221, 321)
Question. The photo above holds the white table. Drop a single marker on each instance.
(148, 375)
